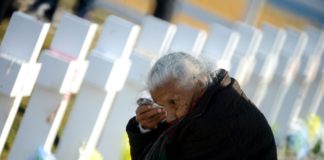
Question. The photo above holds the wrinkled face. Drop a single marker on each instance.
(175, 99)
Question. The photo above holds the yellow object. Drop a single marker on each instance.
(95, 155)
(125, 148)
(313, 126)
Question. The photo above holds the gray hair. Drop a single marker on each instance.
(181, 66)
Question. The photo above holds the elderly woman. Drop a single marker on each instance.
(198, 114)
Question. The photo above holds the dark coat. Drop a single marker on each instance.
(224, 124)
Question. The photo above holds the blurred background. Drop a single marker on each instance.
(198, 14)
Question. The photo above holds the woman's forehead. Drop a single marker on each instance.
(162, 90)
(166, 84)
(168, 89)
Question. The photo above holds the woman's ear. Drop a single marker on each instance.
(199, 83)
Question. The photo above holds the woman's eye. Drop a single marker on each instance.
(172, 102)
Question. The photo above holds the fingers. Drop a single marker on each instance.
(153, 122)
(142, 109)
(149, 117)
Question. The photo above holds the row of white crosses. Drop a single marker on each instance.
(266, 62)
(154, 39)
(285, 71)
(19, 50)
(114, 75)
(313, 97)
(109, 62)
(233, 47)
(289, 105)
(62, 71)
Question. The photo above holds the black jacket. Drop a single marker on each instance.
(224, 124)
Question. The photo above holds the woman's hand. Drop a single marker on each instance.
(149, 117)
